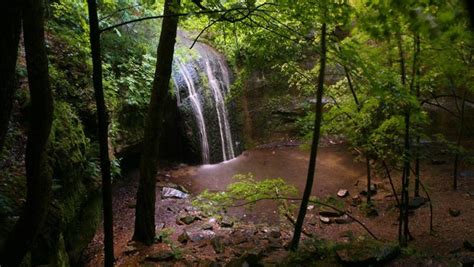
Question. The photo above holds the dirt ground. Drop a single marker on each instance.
(336, 169)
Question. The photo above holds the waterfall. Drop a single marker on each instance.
(202, 81)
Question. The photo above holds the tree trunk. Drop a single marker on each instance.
(103, 134)
(38, 176)
(145, 208)
(10, 23)
(417, 87)
(458, 142)
(314, 145)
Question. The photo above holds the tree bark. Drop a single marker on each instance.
(38, 176)
(314, 145)
(103, 134)
(10, 22)
(145, 208)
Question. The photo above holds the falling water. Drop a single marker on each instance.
(202, 82)
(197, 108)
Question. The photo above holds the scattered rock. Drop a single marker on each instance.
(328, 212)
(168, 192)
(196, 235)
(438, 161)
(325, 220)
(183, 237)
(130, 249)
(342, 193)
(310, 207)
(207, 226)
(454, 212)
(161, 255)
(184, 218)
(469, 245)
(416, 202)
(226, 222)
(344, 219)
(218, 244)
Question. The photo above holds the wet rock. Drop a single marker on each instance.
(469, 245)
(196, 235)
(438, 161)
(365, 253)
(328, 212)
(226, 222)
(344, 219)
(454, 212)
(416, 202)
(342, 193)
(325, 220)
(168, 192)
(161, 255)
(207, 226)
(218, 244)
(187, 219)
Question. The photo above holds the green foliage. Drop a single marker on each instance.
(246, 191)
(69, 148)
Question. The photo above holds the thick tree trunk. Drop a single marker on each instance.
(103, 134)
(145, 208)
(10, 22)
(458, 142)
(38, 174)
(314, 145)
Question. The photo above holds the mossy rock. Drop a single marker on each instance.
(367, 252)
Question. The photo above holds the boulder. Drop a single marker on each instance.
(186, 219)
(168, 192)
(161, 255)
(196, 235)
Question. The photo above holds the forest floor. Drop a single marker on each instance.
(262, 235)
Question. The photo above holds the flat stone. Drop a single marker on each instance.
(207, 226)
(328, 212)
(188, 219)
(162, 255)
(342, 193)
(325, 220)
(454, 212)
(344, 219)
(168, 192)
(198, 235)
(416, 202)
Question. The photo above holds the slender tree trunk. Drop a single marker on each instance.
(417, 87)
(314, 145)
(403, 226)
(369, 178)
(458, 142)
(38, 176)
(145, 208)
(10, 22)
(103, 134)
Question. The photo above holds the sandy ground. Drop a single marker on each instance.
(336, 169)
